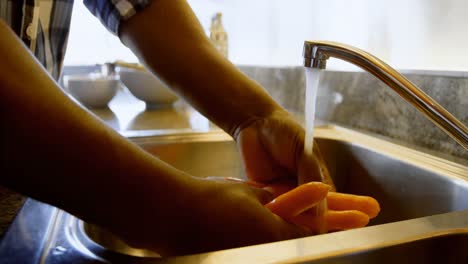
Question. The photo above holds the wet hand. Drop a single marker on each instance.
(221, 214)
(272, 148)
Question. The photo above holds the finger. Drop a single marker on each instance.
(299, 199)
(308, 169)
(343, 201)
(313, 168)
(335, 220)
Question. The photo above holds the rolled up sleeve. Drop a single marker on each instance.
(112, 12)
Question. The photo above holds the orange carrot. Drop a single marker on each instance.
(299, 199)
(334, 220)
(343, 201)
(345, 211)
(342, 220)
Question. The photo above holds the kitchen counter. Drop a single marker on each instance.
(126, 114)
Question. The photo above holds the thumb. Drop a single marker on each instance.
(308, 169)
(312, 167)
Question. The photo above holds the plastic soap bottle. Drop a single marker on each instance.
(218, 35)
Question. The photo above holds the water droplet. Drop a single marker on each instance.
(59, 250)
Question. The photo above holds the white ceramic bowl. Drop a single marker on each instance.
(93, 91)
(148, 88)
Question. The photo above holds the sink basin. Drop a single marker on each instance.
(407, 184)
(424, 201)
(404, 189)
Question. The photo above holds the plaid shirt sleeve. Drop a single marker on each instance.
(112, 12)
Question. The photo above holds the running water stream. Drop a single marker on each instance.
(312, 84)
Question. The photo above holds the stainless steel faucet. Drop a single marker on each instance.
(316, 54)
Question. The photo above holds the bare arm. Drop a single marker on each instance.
(49, 141)
(54, 151)
(168, 38)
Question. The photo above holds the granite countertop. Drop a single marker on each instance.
(10, 204)
(125, 113)
(358, 100)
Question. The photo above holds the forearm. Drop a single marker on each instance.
(169, 40)
(55, 151)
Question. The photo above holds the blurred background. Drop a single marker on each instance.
(416, 34)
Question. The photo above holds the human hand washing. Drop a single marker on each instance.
(274, 159)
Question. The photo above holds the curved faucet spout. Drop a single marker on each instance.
(316, 54)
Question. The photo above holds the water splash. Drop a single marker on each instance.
(312, 84)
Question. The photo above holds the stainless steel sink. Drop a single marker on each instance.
(406, 188)
(407, 184)
(424, 201)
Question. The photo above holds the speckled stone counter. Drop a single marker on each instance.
(10, 204)
(358, 100)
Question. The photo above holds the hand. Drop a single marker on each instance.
(272, 151)
(272, 148)
(220, 214)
